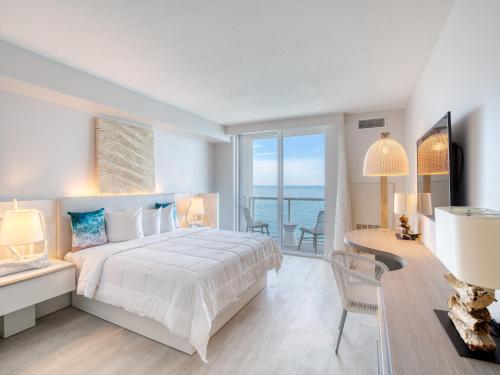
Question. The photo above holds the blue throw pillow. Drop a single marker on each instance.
(174, 211)
(163, 205)
(88, 229)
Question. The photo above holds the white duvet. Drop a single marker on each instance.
(181, 279)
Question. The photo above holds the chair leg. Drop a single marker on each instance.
(262, 229)
(341, 329)
(300, 242)
(267, 230)
(315, 243)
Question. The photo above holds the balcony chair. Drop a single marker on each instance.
(251, 224)
(357, 279)
(317, 231)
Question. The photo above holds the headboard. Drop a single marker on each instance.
(82, 204)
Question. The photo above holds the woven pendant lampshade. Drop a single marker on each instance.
(386, 157)
(433, 155)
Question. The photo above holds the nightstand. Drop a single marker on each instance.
(19, 292)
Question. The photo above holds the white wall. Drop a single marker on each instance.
(24, 72)
(463, 76)
(366, 189)
(47, 151)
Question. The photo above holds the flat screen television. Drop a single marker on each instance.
(439, 168)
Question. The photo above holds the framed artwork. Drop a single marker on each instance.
(125, 158)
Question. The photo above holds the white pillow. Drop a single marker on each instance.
(124, 225)
(151, 220)
(167, 219)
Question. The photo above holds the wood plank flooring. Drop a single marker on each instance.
(288, 328)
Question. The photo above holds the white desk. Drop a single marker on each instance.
(412, 341)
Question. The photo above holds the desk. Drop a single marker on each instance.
(411, 339)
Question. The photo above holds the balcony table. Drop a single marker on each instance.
(289, 238)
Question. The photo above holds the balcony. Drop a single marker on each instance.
(299, 211)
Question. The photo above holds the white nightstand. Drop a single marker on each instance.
(20, 292)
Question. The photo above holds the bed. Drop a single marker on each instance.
(178, 288)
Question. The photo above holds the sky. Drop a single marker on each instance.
(303, 156)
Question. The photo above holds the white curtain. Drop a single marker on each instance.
(343, 220)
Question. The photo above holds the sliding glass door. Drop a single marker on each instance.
(281, 188)
(303, 192)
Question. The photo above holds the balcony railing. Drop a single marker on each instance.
(288, 201)
(303, 214)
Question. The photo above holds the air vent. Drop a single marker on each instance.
(367, 226)
(371, 123)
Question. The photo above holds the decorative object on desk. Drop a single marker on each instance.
(404, 204)
(125, 158)
(384, 158)
(195, 212)
(468, 311)
(468, 244)
(20, 230)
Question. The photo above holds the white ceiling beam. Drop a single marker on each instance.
(29, 74)
(286, 123)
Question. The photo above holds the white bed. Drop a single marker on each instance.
(177, 287)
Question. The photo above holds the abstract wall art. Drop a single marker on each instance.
(125, 158)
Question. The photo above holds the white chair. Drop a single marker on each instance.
(251, 224)
(317, 231)
(357, 280)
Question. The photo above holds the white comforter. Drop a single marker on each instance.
(181, 279)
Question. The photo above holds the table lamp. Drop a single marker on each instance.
(468, 244)
(384, 158)
(20, 230)
(403, 205)
(424, 203)
(195, 212)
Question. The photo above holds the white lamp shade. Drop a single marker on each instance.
(21, 227)
(403, 203)
(386, 157)
(196, 207)
(469, 246)
(425, 203)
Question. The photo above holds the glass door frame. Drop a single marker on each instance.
(241, 199)
(279, 135)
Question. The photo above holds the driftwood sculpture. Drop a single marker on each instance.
(469, 313)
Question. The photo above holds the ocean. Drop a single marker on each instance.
(303, 213)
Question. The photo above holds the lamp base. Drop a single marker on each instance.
(458, 343)
(408, 236)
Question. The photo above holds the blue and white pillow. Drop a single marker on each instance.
(169, 220)
(88, 229)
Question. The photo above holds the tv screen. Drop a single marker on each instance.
(434, 168)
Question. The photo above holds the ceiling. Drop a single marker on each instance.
(236, 61)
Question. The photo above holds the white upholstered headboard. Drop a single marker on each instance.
(82, 204)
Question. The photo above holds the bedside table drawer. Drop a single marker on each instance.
(28, 292)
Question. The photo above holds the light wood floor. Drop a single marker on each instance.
(289, 328)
